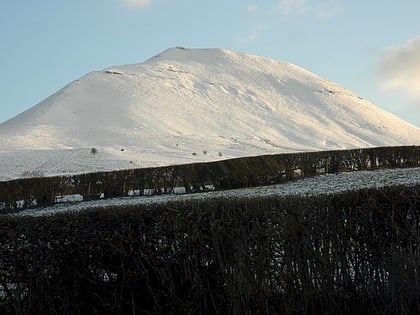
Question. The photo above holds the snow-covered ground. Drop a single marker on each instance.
(325, 184)
(191, 105)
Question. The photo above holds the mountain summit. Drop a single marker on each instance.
(185, 105)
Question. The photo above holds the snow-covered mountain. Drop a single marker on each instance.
(187, 105)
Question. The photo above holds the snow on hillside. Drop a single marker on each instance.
(188, 105)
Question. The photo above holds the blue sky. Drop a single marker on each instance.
(369, 47)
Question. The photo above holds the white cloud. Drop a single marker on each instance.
(287, 7)
(252, 7)
(399, 68)
(321, 9)
(139, 3)
(327, 9)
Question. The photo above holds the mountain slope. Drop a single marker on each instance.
(187, 105)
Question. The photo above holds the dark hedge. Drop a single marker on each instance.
(349, 253)
(224, 174)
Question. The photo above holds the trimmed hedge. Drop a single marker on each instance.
(352, 253)
(225, 174)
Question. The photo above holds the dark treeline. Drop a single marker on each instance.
(225, 174)
(351, 253)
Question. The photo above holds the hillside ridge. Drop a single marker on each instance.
(189, 105)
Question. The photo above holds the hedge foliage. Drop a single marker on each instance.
(351, 253)
(224, 174)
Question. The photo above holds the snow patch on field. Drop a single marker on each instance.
(325, 184)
